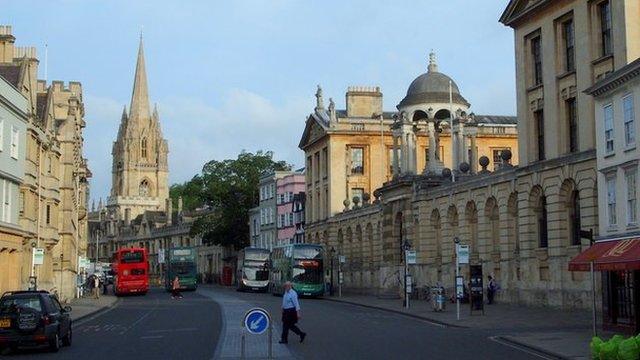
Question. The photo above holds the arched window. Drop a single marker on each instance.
(144, 188)
(143, 147)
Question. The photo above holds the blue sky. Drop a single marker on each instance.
(234, 75)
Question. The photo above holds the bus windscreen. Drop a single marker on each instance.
(256, 255)
(307, 252)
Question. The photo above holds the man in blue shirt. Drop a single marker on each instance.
(290, 314)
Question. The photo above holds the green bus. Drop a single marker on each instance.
(181, 262)
(302, 264)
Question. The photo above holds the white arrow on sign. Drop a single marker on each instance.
(255, 323)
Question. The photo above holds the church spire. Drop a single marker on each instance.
(140, 96)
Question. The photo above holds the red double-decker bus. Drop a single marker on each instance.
(131, 269)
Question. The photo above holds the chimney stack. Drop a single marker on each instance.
(6, 44)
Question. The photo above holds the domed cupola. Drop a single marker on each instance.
(432, 87)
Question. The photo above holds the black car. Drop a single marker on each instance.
(33, 318)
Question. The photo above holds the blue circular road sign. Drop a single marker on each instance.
(257, 321)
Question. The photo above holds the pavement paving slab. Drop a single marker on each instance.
(233, 310)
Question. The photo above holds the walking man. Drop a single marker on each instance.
(290, 314)
(491, 290)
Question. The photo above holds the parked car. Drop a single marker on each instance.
(33, 318)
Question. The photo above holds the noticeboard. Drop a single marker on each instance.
(411, 257)
(463, 254)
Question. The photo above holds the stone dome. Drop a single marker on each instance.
(432, 87)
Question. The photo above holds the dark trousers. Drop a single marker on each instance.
(289, 320)
(490, 295)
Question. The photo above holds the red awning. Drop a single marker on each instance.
(609, 255)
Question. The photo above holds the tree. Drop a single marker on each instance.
(229, 188)
(191, 193)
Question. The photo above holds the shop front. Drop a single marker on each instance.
(619, 262)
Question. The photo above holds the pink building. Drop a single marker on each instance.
(286, 188)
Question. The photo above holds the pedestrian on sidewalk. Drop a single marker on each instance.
(175, 289)
(96, 287)
(290, 314)
(491, 290)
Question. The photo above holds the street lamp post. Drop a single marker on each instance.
(332, 252)
(61, 273)
(405, 247)
(456, 241)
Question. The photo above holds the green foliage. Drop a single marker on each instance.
(616, 348)
(229, 188)
(191, 193)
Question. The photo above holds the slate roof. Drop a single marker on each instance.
(385, 114)
(11, 73)
(497, 120)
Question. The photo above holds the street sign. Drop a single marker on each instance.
(257, 321)
(409, 284)
(340, 278)
(160, 256)
(411, 257)
(342, 259)
(38, 256)
(83, 262)
(463, 254)
(459, 287)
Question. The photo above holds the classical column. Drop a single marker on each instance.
(396, 160)
(474, 154)
(454, 146)
(430, 165)
(462, 145)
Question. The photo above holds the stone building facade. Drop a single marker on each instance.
(522, 222)
(617, 103)
(14, 109)
(349, 153)
(53, 195)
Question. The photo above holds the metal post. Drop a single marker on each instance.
(456, 285)
(593, 300)
(242, 354)
(406, 272)
(331, 288)
(270, 340)
(339, 277)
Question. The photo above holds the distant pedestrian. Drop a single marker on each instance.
(96, 287)
(491, 290)
(175, 289)
(290, 314)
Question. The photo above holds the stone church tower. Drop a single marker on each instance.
(140, 170)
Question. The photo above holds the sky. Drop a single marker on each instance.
(241, 75)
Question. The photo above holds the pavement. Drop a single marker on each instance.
(83, 308)
(556, 333)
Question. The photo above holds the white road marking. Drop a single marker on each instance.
(152, 337)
